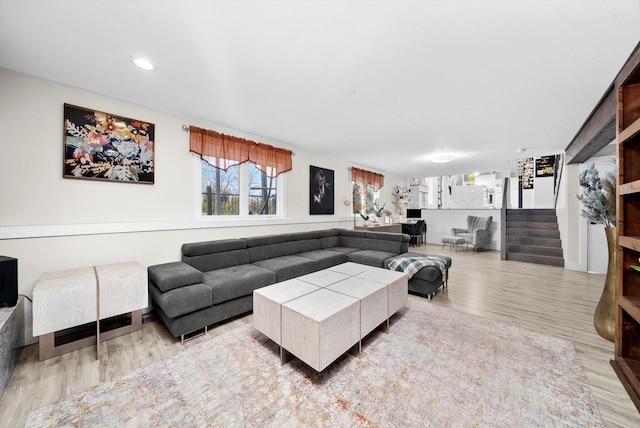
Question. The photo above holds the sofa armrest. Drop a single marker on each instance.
(172, 275)
(482, 238)
(455, 231)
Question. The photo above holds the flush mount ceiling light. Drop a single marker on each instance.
(142, 63)
(442, 157)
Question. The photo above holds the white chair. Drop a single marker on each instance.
(477, 232)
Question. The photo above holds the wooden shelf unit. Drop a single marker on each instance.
(627, 347)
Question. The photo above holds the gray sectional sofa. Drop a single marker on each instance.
(215, 279)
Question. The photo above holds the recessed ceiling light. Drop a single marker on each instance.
(144, 64)
(521, 150)
(442, 157)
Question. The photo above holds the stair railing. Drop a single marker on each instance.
(557, 177)
(503, 219)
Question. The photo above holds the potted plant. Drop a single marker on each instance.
(365, 217)
(377, 209)
(598, 196)
(599, 206)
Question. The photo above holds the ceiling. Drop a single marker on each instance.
(382, 84)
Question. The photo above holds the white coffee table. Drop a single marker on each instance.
(267, 305)
(373, 297)
(320, 326)
(320, 316)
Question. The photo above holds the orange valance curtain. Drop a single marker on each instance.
(226, 151)
(375, 180)
(271, 160)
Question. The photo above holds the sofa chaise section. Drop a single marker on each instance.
(373, 248)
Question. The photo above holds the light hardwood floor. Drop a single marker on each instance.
(546, 299)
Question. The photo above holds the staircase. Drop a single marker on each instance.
(532, 236)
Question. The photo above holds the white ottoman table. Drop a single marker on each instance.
(76, 308)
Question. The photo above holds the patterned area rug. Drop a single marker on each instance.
(437, 367)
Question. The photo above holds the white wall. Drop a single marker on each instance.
(544, 196)
(50, 223)
(468, 197)
(575, 242)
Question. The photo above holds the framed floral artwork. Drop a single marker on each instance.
(103, 146)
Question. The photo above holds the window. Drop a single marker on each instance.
(220, 190)
(366, 187)
(241, 190)
(246, 188)
(363, 197)
(262, 192)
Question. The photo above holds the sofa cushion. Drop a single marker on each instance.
(386, 236)
(371, 257)
(268, 251)
(209, 247)
(206, 316)
(302, 236)
(325, 258)
(257, 241)
(172, 275)
(328, 242)
(324, 233)
(213, 261)
(328, 238)
(388, 242)
(359, 242)
(183, 300)
(366, 240)
(349, 232)
(237, 281)
(287, 267)
(344, 250)
(467, 236)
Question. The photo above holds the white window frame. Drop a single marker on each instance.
(244, 197)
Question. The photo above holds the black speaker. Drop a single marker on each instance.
(8, 281)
